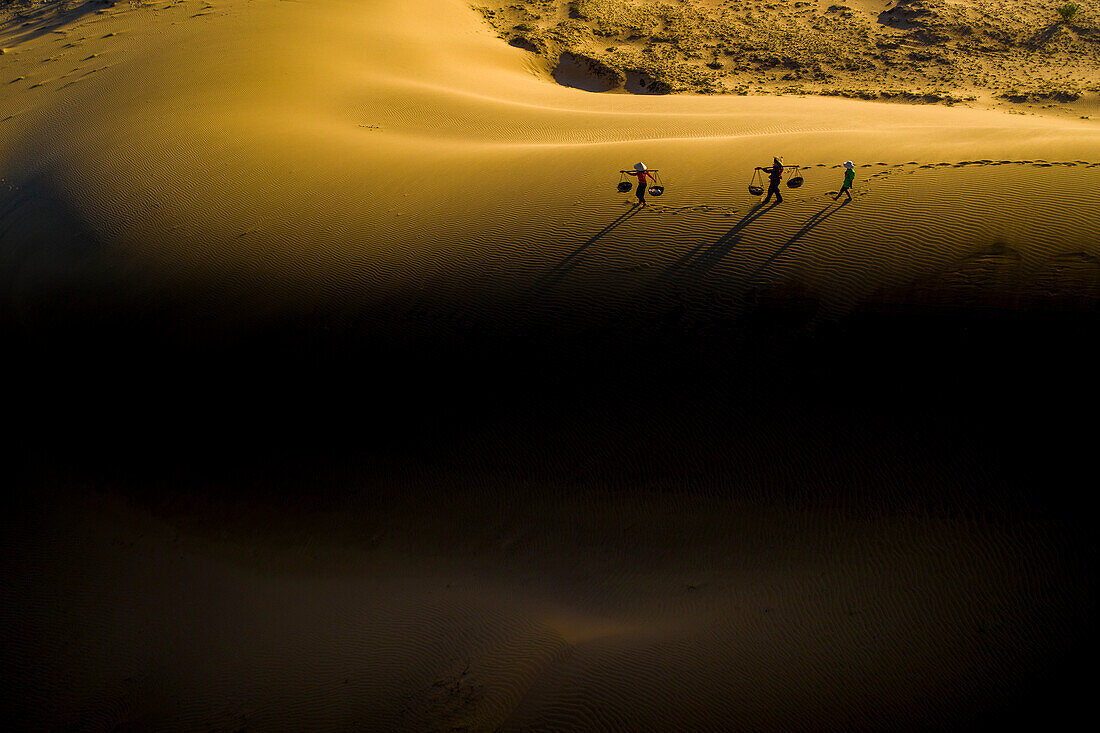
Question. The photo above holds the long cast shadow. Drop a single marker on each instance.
(571, 260)
(812, 222)
(704, 258)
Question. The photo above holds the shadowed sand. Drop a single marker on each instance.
(351, 395)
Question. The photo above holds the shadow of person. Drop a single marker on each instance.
(571, 260)
(704, 258)
(812, 222)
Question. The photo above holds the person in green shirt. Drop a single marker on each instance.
(849, 176)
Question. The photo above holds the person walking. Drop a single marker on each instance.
(849, 176)
(644, 176)
(775, 175)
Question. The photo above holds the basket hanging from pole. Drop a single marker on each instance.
(659, 185)
(624, 182)
(756, 184)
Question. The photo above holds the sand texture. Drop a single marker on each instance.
(349, 394)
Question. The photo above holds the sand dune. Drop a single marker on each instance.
(353, 396)
(183, 155)
(763, 620)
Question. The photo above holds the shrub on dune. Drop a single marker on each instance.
(1068, 12)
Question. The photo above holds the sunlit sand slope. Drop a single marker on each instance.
(338, 151)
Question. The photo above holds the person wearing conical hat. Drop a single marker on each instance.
(775, 175)
(849, 176)
(644, 176)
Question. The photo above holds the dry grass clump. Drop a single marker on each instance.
(1068, 12)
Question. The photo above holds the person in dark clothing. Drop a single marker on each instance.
(775, 175)
(644, 176)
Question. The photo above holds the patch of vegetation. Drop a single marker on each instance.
(1047, 95)
(767, 46)
(1068, 12)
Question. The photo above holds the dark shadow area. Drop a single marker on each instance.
(892, 410)
(641, 83)
(812, 222)
(570, 261)
(110, 377)
(586, 73)
(37, 20)
(1043, 36)
(703, 258)
(906, 15)
(46, 244)
(896, 409)
(961, 402)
